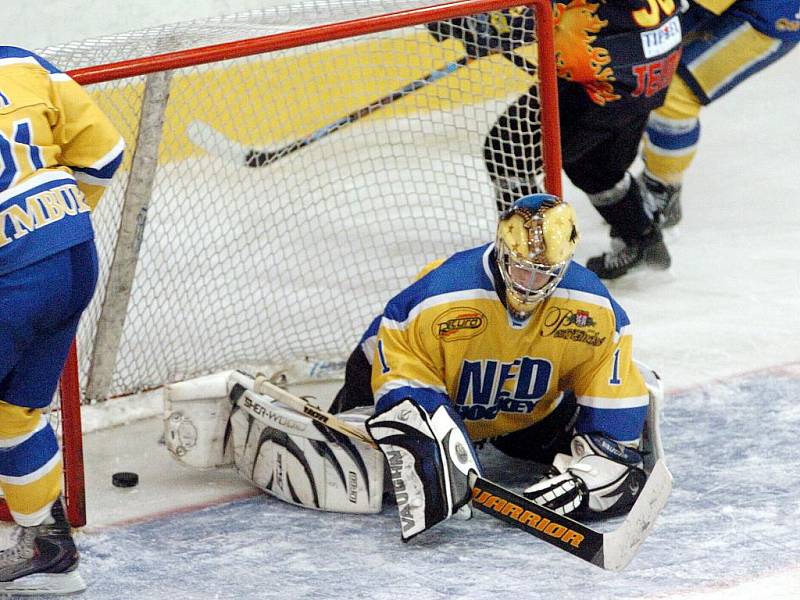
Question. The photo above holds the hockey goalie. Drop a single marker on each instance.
(510, 343)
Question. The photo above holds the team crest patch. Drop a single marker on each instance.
(460, 323)
(581, 318)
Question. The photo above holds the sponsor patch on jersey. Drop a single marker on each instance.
(571, 325)
(459, 323)
(656, 42)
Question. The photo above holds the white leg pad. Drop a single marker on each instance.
(291, 457)
(196, 414)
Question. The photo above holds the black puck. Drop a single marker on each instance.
(124, 479)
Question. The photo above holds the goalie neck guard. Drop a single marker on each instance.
(536, 238)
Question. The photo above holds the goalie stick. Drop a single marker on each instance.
(262, 385)
(202, 135)
(611, 551)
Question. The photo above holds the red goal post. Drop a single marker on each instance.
(328, 64)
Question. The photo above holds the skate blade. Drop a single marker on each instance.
(44, 583)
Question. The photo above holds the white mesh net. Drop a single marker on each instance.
(246, 265)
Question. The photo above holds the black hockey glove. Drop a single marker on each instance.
(487, 33)
(602, 477)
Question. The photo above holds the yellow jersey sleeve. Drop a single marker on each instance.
(90, 144)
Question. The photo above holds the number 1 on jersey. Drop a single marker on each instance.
(615, 380)
(382, 358)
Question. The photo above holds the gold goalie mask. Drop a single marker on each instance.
(536, 239)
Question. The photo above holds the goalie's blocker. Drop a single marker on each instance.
(430, 458)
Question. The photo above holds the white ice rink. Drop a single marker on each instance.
(721, 327)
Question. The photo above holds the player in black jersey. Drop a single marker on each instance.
(615, 61)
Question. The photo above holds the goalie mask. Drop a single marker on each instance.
(536, 239)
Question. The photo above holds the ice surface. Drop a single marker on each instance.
(729, 520)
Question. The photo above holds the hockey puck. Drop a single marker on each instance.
(124, 479)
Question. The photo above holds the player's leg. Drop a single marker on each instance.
(41, 306)
(719, 55)
(599, 144)
(356, 391)
(670, 144)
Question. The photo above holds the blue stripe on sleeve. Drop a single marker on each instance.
(30, 455)
(623, 424)
(427, 398)
(105, 172)
(14, 52)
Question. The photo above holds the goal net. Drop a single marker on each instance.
(288, 171)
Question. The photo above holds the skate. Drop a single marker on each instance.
(41, 560)
(648, 249)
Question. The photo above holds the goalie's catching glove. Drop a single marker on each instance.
(602, 477)
(486, 33)
(429, 458)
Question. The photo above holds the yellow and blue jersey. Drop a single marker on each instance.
(449, 338)
(727, 42)
(58, 152)
(776, 18)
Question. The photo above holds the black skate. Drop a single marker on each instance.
(41, 560)
(648, 249)
(665, 200)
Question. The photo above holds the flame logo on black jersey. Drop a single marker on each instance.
(576, 24)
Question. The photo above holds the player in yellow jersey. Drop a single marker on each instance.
(510, 343)
(514, 343)
(58, 152)
(726, 42)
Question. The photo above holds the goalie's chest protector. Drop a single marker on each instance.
(456, 337)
